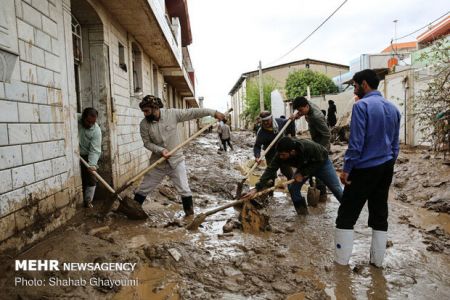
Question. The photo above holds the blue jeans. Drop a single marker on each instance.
(326, 174)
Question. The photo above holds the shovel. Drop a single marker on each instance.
(134, 212)
(201, 217)
(313, 194)
(143, 172)
(263, 153)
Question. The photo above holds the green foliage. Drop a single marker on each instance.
(252, 110)
(434, 100)
(319, 84)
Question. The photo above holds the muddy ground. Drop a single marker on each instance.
(293, 259)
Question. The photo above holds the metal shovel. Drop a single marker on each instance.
(201, 217)
(134, 212)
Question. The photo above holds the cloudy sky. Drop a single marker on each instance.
(231, 36)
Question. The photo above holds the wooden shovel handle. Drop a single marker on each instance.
(143, 172)
(264, 152)
(242, 200)
(103, 181)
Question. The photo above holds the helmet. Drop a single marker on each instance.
(151, 101)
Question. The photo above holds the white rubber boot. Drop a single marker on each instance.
(378, 247)
(343, 240)
(89, 195)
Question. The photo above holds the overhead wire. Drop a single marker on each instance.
(417, 30)
(309, 35)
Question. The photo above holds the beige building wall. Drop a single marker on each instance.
(279, 74)
(40, 183)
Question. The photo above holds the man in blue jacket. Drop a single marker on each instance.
(368, 167)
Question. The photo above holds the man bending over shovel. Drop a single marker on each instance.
(160, 135)
(310, 159)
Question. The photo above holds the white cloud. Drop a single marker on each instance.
(231, 36)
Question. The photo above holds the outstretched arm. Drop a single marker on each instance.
(183, 115)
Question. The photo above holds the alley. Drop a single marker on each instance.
(293, 259)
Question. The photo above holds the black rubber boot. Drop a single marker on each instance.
(139, 198)
(301, 209)
(188, 206)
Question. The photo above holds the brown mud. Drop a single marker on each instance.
(293, 259)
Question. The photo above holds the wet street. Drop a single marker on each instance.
(292, 259)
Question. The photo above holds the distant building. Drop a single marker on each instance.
(403, 73)
(279, 73)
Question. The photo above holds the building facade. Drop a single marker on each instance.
(58, 57)
(279, 74)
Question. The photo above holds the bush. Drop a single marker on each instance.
(319, 84)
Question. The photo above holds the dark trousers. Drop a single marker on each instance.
(87, 178)
(368, 184)
(225, 142)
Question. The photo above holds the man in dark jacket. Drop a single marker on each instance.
(270, 127)
(310, 159)
(331, 118)
(318, 129)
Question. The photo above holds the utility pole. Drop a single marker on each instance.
(395, 35)
(261, 92)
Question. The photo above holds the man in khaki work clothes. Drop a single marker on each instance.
(160, 135)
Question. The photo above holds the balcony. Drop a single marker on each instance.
(146, 21)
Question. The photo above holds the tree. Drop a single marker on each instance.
(432, 104)
(252, 110)
(319, 84)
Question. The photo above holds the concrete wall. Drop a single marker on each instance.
(237, 102)
(400, 88)
(281, 74)
(40, 184)
(39, 174)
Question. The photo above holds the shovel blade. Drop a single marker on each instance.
(196, 222)
(239, 188)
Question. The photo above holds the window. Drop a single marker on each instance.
(77, 58)
(76, 40)
(136, 57)
(122, 63)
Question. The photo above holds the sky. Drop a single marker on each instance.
(231, 36)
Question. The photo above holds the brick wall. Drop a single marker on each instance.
(35, 166)
(40, 184)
